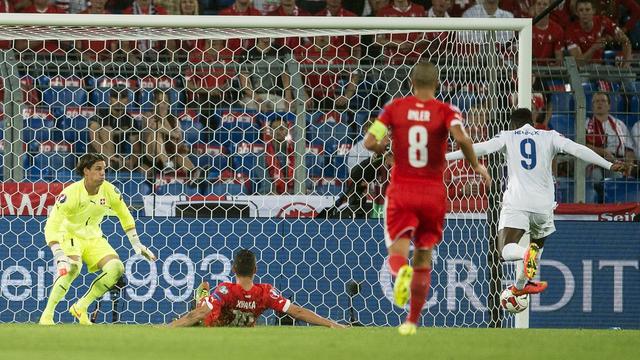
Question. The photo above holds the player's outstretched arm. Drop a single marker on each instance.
(193, 317)
(310, 317)
(376, 139)
(466, 145)
(584, 153)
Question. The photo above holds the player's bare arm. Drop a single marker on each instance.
(192, 318)
(466, 145)
(310, 317)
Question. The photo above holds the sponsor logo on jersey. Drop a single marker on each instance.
(419, 115)
(62, 198)
(223, 290)
(274, 293)
(247, 305)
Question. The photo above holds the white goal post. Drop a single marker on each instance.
(333, 266)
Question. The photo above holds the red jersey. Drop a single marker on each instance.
(547, 41)
(420, 131)
(398, 55)
(346, 45)
(231, 305)
(232, 10)
(577, 37)
(152, 9)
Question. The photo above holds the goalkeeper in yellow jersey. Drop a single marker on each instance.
(73, 233)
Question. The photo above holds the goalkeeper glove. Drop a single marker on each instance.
(62, 261)
(138, 247)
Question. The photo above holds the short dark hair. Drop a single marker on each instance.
(87, 161)
(521, 117)
(244, 263)
(590, 2)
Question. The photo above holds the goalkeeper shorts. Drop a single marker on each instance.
(90, 251)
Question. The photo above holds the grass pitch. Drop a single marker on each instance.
(69, 342)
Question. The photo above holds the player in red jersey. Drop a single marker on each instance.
(416, 199)
(241, 303)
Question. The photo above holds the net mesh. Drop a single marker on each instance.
(222, 139)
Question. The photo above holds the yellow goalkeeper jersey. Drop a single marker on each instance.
(76, 214)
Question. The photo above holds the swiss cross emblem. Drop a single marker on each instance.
(103, 201)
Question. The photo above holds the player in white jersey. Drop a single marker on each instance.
(528, 202)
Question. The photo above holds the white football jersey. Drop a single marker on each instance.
(529, 153)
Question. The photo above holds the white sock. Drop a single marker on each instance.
(521, 279)
(513, 252)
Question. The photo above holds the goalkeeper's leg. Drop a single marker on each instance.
(112, 270)
(59, 290)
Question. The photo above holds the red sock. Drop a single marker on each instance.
(419, 291)
(396, 262)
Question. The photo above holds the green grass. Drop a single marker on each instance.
(68, 342)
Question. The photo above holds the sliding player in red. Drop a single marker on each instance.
(241, 303)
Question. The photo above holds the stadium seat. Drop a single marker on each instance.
(236, 128)
(314, 161)
(562, 102)
(564, 124)
(133, 189)
(564, 190)
(176, 188)
(59, 92)
(633, 110)
(221, 188)
(621, 190)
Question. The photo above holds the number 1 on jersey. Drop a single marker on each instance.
(418, 152)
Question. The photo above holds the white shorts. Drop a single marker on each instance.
(538, 225)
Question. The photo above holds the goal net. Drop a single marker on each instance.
(227, 132)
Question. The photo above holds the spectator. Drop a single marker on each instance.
(240, 8)
(635, 134)
(209, 79)
(358, 153)
(163, 140)
(588, 37)
(280, 157)
(541, 111)
(617, 9)
(6, 7)
(348, 46)
(171, 6)
(289, 8)
(109, 130)
(465, 189)
(266, 7)
(93, 50)
(327, 85)
(548, 37)
(148, 48)
(18, 5)
(73, 6)
(367, 178)
(487, 9)
(439, 8)
(264, 79)
(312, 6)
(459, 7)
(402, 48)
(50, 46)
(608, 137)
(182, 46)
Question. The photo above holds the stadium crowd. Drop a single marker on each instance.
(161, 125)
